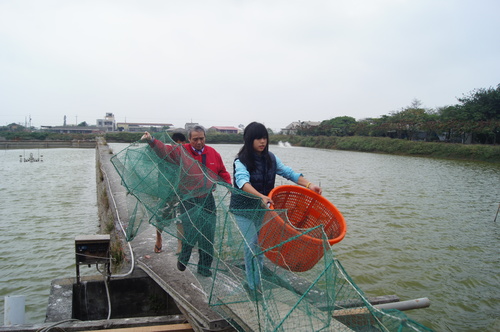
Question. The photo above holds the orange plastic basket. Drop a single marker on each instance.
(305, 210)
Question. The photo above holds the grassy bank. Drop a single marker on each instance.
(488, 153)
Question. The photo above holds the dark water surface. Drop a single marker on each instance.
(44, 206)
(417, 227)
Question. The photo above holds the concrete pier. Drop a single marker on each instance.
(183, 287)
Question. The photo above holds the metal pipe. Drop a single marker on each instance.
(344, 315)
(406, 305)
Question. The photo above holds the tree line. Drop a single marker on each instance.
(474, 119)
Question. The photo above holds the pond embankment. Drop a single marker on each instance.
(43, 144)
(472, 152)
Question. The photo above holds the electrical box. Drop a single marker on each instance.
(92, 249)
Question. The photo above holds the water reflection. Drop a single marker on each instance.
(44, 206)
(417, 227)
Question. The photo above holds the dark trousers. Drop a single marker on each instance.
(198, 220)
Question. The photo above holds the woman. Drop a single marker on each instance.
(255, 170)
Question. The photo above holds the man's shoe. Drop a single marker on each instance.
(180, 266)
(204, 272)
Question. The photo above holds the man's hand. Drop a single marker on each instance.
(147, 137)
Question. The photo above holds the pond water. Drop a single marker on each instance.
(417, 227)
(44, 206)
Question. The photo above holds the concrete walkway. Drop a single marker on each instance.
(186, 288)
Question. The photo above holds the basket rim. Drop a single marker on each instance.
(322, 200)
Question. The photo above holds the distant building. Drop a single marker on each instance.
(74, 129)
(172, 130)
(136, 127)
(223, 130)
(292, 128)
(108, 122)
(190, 125)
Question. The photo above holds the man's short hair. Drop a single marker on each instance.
(198, 129)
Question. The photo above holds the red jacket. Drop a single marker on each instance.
(213, 160)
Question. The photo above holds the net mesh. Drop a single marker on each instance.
(272, 269)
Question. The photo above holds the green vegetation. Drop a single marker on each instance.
(43, 136)
(477, 152)
(216, 138)
(476, 119)
(468, 130)
(122, 137)
(109, 226)
(117, 254)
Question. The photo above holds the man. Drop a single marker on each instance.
(198, 211)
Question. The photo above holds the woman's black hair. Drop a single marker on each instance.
(254, 130)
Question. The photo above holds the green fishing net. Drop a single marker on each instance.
(290, 279)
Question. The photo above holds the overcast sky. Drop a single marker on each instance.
(225, 63)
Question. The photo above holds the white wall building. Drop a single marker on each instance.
(108, 122)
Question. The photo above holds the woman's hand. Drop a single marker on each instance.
(315, 188)
(309, 185)
(267, 201)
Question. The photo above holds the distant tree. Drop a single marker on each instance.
(383, 127)
(416, 103)
(13, 127)
(339, 126)
(363, 127)
(409, 121)
(480, 110)
(480, 105)
(83, 124)
(475, 119)
(304, 129)
(448, 124)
